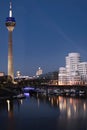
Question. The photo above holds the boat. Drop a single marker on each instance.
(20, 96)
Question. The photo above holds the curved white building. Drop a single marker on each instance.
(82, 68)
(72, 61)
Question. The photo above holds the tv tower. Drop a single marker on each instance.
(10, 24)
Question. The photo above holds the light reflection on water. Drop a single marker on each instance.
(70, 107)
(58, 113)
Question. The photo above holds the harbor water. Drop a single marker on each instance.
(44, 113)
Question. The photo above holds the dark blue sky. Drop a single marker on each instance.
(46, 31)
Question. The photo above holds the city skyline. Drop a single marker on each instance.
(45, 33)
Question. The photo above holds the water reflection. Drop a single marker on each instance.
(70, 107)
(51, 112)
(21, 101)
(7, 113)
(10, 109)
(10, 115)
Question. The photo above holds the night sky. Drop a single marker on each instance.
(46, 31)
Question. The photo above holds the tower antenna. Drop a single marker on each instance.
(10, 11)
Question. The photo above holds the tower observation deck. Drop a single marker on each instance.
(10, 24)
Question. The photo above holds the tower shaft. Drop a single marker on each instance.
(10, 56)
(10, 24)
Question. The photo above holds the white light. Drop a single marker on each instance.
(10, 13)
(8, 102)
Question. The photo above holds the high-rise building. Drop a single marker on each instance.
(10, 24)
(72, 61)
(70, 74)
(62, 76)
(82, 68)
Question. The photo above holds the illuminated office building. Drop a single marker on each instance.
(82, 68)
(72, 61)
(70, 74)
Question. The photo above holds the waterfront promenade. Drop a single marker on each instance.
(62, 87)
(69, 90)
